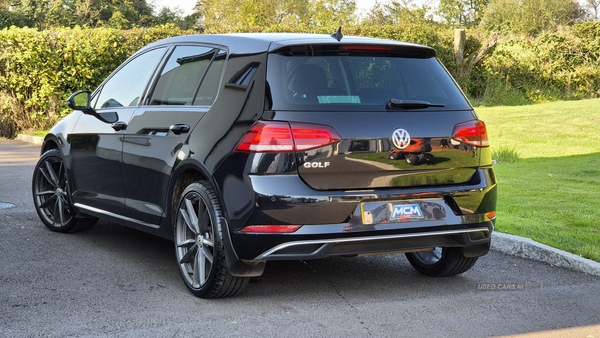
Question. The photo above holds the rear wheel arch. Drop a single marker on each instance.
(199, 244)
(186, 172)
(190, 173)
(182, 178)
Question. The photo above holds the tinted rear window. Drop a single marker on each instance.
(353, 82)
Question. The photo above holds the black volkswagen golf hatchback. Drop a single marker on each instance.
(246, 148)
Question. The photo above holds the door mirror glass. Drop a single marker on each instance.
(79, 101)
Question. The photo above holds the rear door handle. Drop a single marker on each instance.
(179, 129)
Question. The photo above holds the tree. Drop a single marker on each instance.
(462, 13)
(400, 11)
(594, 5)
(176, 16)
(87, 12)
(44, 14)
(331, 12)
(516, 15)
(233, 15)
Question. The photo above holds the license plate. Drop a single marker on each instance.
(401, 212)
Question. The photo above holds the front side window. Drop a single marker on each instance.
(127, 85)
(181, 79)
(351, 81)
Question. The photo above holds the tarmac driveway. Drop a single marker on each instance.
(114, 281)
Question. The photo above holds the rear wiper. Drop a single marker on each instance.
(395, 104)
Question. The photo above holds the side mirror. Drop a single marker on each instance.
(81, 101)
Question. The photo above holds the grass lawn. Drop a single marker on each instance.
(551, 193)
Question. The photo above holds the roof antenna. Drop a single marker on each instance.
(338, 35)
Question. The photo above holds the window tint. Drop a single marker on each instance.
(210, 84)
(126, 86)
(181, 77)
(356, 82)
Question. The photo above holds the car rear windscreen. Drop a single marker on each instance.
(360, 81)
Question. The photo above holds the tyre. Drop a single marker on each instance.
(52, 195)
(441, 262)
(412, 159)
(199, 244)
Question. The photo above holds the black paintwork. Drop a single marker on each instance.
(133, 172)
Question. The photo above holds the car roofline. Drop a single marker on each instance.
(247, 43)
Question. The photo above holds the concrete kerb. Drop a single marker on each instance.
(37, 140)
(505, 243)
(527, 248)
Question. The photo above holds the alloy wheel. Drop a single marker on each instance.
(51, 193)
(194, 238)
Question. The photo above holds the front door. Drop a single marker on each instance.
(96, 146)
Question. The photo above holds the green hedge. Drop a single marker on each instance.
(561, 65)
(39, 69)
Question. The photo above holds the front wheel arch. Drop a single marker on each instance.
(51, 191)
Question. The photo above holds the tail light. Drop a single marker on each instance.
(473, 133)
(278, 136)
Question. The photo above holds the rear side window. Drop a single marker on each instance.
(210, 84)
(190, 76)
(359, 82)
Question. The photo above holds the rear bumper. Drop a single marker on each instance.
(475, 241)
(331, 224)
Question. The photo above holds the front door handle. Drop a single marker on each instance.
(179, 129)
(119, 125)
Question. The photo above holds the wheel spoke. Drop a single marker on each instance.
(193, 218)
(207, 254)
(189, 254)
(196, 278)
(189, 223)
(48, 201)
(65, 204)
(59, 212)
(53, 179)
(204, 220)
(47, 177)
(208, 242)
(47, 192)
(201, 267)
(186, 217)
(186, 243)
(55, 213)
(62, 176)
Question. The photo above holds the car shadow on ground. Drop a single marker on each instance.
(388, 275)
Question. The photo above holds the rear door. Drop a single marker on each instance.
(396, 109)
(159, 129)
